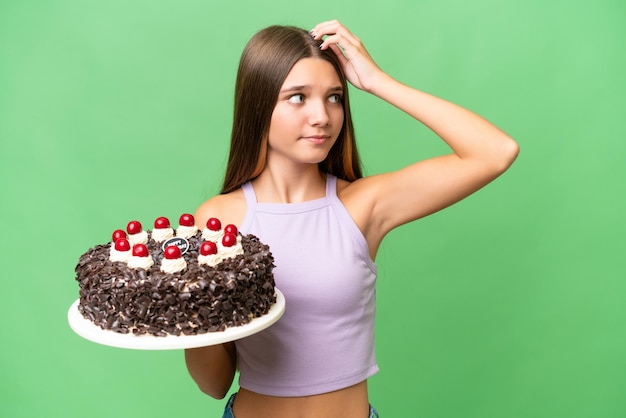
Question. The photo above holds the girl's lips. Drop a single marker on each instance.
(316, 139)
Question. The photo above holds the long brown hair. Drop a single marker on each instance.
(265, 63)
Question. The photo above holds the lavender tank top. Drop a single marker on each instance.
(325, 339)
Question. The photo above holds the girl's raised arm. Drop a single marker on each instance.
(480, 151)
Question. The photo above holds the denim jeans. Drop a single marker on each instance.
(228, 411)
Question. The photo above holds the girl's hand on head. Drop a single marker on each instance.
(359, 67)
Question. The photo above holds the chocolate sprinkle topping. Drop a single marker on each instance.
(198, 300)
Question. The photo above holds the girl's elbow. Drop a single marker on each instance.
(506, 155)
(512, 151)
(216, 385)
(215, 392)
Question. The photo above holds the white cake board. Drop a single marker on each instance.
(92, 332)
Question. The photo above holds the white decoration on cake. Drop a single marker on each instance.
(138, 238)
(209, 260)
(186, 231)
(116, 255)
(162, 234)
(173, 266)
(229, 252)
(140, 262)
(209, 235)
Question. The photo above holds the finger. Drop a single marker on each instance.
(350, 48)
(324, 27)
(335, 40)
(331, 28)
(340, 54)
(339, 31)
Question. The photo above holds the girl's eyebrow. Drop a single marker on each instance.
(304, 87)
(293, 88)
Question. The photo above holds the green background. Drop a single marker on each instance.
(508, 304)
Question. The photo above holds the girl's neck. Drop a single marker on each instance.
(289, 186)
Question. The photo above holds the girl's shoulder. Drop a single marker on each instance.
(359, 197)
(229, 208)
(364, 188)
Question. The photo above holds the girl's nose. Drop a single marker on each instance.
(318, 114)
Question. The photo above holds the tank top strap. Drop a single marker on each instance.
(346, 218)
(251, 202)
(331, 186)
(248, 192)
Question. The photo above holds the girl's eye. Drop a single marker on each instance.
(296, 98)
(335, 98)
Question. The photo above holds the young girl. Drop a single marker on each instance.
(294, 180)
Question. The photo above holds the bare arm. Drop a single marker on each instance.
(480, 151)
(212, 368)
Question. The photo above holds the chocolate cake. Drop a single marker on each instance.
(184, 282)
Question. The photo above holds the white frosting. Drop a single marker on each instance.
(210, 260)
(173, 266)
(140, 262)
(139, 238)
(221, 247)
(161, 234)
(115, 255)
(215, 236)
(186, 231)
(229, 252)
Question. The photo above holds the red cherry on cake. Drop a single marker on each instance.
(208, 248)
(133, 227)
(214, 224)
(140, 250)
(122, 244)
(117, 234)
(229, 240)
(186, 220)
(230, 229)
(161, 222)
(172, 252)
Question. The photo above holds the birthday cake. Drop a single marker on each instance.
(183, 281)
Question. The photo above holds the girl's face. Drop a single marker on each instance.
(308, 115)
